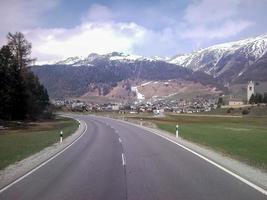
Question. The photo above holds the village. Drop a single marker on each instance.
(194, 105)
(177, 106)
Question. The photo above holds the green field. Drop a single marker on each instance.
(253, 111)
(244, 138)
(19, 142)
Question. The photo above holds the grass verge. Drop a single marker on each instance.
(242, 138)
(19, 142)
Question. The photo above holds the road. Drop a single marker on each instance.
(114, 161)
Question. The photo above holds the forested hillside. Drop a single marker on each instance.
(64, 81)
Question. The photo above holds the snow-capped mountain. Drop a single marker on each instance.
(217, 66)
(228, 61)
(114, 75)
(69, 61)
(94, 58)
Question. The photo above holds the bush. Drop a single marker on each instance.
(230, 110)
(245, 112)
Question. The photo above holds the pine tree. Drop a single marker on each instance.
(5, 56)
(21, 94)
(264, 98)
(258, 98)
(21, 49)
(252, 99)
(12, 90)
(38, 99)
(220, 102)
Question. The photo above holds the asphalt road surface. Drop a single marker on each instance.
(114, 161)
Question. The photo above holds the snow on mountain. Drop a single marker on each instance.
(114, 56)
(227, 60)
(139, 96)
(122, 56)
(158, 58)
(69, 61)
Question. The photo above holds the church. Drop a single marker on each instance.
(250, 92)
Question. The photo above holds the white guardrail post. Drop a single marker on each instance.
(61, 136)
(177, 130)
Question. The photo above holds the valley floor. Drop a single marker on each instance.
(242, 138)
(20, 141)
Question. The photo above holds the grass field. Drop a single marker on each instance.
(19, 142)
(253, 110)
(242, 138)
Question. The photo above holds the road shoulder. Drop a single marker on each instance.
(17, 170)
(252, 174)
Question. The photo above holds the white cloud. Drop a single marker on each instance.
(20, 14)
(206, 11)
(97, 33)
(225, 30)
(206, 20)
(52, 44)
(98, 13)
(101, 30)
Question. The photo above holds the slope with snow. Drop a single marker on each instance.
(228, 60)
(91, 59)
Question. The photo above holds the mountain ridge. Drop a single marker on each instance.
(102, 75)
(218, 66)
(222, 59)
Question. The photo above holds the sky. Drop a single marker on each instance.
(59, 29)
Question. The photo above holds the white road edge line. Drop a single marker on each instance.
(120, 140)
(217, 165)
(45, 162)
(256, 187)
(123, 159)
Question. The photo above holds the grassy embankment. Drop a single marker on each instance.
(21, 141)
(244, 138)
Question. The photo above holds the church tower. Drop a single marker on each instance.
(250, 90)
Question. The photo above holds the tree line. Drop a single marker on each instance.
(22, 96)
(258, 98)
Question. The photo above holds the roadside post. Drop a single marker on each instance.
(61, 136)
(177, 130)
(141, 122)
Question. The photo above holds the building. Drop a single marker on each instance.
(235, 102)
(250, 90)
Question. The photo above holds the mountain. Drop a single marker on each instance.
(94, 59)
(115, 75)
(121, 76)
(233, 62)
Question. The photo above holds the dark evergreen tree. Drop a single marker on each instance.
(21, 49)
(252, 99)
(265, 98)
(220, 102)
(21, 94)
(258, 98)
(5, 75)
(12, 90)
(37, 97)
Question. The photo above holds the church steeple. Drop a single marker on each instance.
(250, 90)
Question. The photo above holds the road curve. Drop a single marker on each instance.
(118, 161)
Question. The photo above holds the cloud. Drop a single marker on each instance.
(206, 20)
(21, 14)
(160, 29)
(98, 13)
(225, 30)
(52, 44)
(98, 33)
(206, 11)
